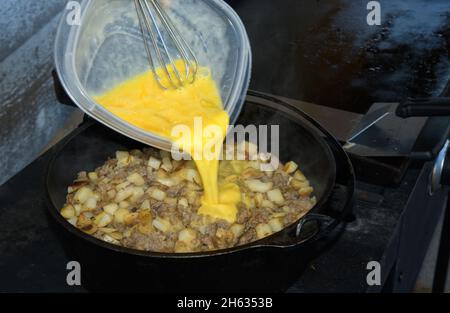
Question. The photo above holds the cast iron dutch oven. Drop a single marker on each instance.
(270, 264)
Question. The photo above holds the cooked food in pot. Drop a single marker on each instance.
(146, 200)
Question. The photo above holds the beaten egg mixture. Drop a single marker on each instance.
(141, 102)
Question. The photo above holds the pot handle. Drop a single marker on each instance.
(303, 233)
(424, 107)
(324, 224)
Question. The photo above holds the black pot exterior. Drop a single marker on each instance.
(269, 265)
(260, 269)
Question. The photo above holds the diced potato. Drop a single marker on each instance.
(91, 203)
(68, 212)
(107, 230)
(193, 176)
(276, 224)
(299, 175)
(313, 200)
(124, 194)
(306, 191)
(298, 184)
(267, 204)
(290, 167)
(82, 176)
(111, 208)
(161, 224)
(237, 229)
(93, 176)
(88, 214)
(269, 173)
(263, 230)
(119, 215)
(169, 182)
(154, 163)
(123, 185)
(251, 172)
(145, 205)
(110, 239)
(187, 235)
(82, 194)
(103, 219)
(183, 202)
(166, 164)
(124, 205)
(116, 235)
(156, 193)
(123, 158)
(136, 179)
(259, 198)
(78, 209)
(122, 155)
(73, 221)
(138, 192)
(276, 196)
(258, 186)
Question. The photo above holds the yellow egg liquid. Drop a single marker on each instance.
(141, 102)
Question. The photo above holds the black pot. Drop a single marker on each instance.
(270, 264)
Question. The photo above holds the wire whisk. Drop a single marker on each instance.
(165, 47)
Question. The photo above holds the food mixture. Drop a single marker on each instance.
(143, 103)
(146, 200)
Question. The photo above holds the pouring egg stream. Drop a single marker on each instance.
(142, 102)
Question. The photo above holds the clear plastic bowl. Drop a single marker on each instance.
(106, 48)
